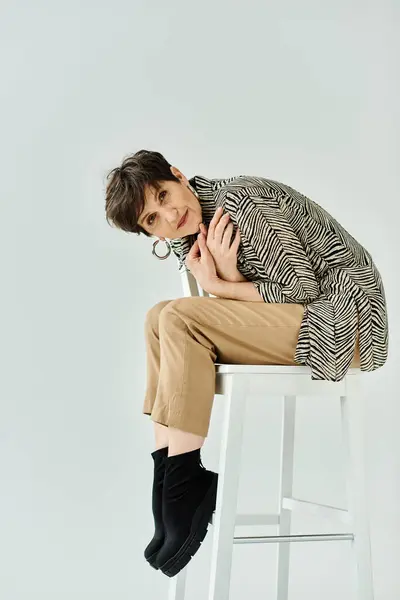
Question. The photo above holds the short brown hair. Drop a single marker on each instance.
(125, 192)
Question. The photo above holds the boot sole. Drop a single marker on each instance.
(151, 560)
(153, 557)
(198, 531)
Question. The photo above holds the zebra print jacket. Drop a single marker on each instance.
(295, 251)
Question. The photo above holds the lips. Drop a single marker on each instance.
(183, 220)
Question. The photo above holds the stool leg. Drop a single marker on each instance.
(285, 491)
(228, 482)
(352, 413)
(177, 585)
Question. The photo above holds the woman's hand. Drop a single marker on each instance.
(201, 264)
(218, 238)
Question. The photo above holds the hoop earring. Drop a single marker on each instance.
(165, 255)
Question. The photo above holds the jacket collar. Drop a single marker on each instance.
(208, 191)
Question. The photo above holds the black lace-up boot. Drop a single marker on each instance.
(156, 543)
(189, 499)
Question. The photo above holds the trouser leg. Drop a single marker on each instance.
(153, 351)
(196, 332)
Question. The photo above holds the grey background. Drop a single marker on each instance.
(302, 92)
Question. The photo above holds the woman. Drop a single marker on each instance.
(291, 287)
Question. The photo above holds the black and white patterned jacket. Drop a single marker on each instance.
(295, 251)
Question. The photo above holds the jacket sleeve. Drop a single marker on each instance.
(283, 272)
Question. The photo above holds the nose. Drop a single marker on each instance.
(172, 216)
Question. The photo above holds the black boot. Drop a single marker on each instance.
(156, 543)
(189, 499)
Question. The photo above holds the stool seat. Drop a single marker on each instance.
(284, 380)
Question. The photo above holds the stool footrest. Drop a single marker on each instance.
(273, 539)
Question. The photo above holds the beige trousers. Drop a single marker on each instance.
(186, 336)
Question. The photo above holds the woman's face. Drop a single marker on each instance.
(161, 215)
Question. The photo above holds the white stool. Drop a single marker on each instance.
(235, 383)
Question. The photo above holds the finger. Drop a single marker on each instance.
(217, 215)
(220, 229)
(202, 244)
(203, 230)
(192, 249)
(227, 237)
(236, 241)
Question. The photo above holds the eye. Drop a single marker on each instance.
(149, 218)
